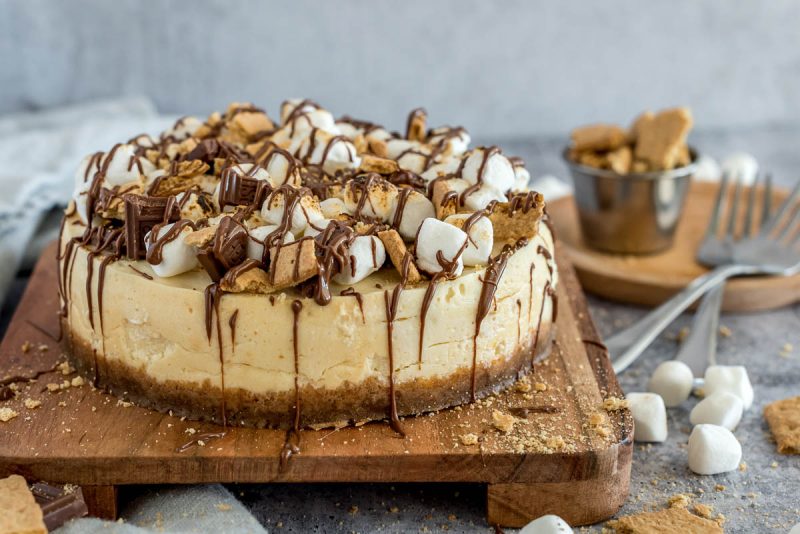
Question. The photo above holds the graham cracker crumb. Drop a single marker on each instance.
(7, 414)
(680, 500)
(77, 381)
(539, 386)
(32, 404)
(503, 421)
(26, 346)
(469, 439)
(724, 331)
(613, 404)
(703, 510)
(674, 519)
(783, 417)
(51, 387)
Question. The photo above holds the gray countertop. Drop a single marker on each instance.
(763, 498)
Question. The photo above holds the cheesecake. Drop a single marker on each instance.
(306, 271)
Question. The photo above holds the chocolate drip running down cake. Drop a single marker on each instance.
(306, 272)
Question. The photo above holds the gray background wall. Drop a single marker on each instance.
(503, 69)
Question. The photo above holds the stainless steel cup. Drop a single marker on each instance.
(631, 213)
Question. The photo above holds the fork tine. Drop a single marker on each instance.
(713, 224)
(794, 221)
(783, 209)
(766, 211)
(734, 211)
(751, 202)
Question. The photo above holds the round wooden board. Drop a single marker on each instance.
(650, 280)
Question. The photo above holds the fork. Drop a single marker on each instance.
(772, 251)
(699, 349)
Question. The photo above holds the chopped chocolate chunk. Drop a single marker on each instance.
(141, 214)
(238, 190)
(59, 503)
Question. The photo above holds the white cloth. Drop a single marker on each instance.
(39, 152)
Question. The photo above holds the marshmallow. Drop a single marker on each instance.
(381, 196)
(313, 230)
(707, 169)
(84, 174)
(649, 416)
(456, 138)
(417, 208)
(741, 165)
(81, 197)
(731, 378)
(547, 524)
(477, 199)
(143, 141)
(437, 236)
(306, 210)
(333, 153)
(481, 238)
(447, 166)
(124, 166)
(498, 172)
(673, 380)
(713, 449)
(256, 237)
(521, 179)
(281, 169)
(290, 106)
(248, 170)
(183, 128)
(722, 409)
(315, 118)
(176, 256)
(333, 207)
(366, 255)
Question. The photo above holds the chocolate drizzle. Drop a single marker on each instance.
(213, 297)
(291, 444)
(351, 292)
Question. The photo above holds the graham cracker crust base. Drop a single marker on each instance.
(350, 403)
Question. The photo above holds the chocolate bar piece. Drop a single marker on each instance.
(238, 190)
(227, 250)
(141, 214)
(59, 504)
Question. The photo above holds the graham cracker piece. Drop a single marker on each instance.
(659, 139)
(254, 280)
(444, 203)
(378, 147)
(598, 137)
(370, 163)
(361, 144)
(783, 417)
(202, 237)
(643, 118)
(293, 263)
(517, 218)
(597, 160)
(674, 519)
(417, 126)
(620, 160)
(186, 175)
(20, 513)
(397, 251)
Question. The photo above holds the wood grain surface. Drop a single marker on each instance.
(651, 279)
(565, 455)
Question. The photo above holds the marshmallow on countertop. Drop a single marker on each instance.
(435, 236)
(306, 211)
(416, 209)
(731, 378)
(256, 237)
(381, 196)
(741, 165)
(367, 254)
(497, 170)
(707, 169)
(481, 238)
(721, 408)
(713, 449)
(547, 524)
(673, 380)
(176, 256)
(649, 416)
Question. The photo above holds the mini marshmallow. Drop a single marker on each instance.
(521, 179)
(306, 211)
(417, 208)
(707, 169)
(547, 524)
(124, 166)
(84, 174)
(721, 408)
(176, 256)
(673, 380)
(741, 165)
(498, 172)
(278, 165)
(481, 238)
(291, 105)
(259, 173)
(313, 230)
(81, 197)
(457, 139)
(445, 167)
(332, 152)
(731, 378)
(333, 207)
(367, 254)
(477, 199)
(183, 128)
(713, 449)
(649, 416)
(437, 236)
(316, 118)
(256, 237)
(381, 196)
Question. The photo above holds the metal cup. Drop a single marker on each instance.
(630, 213)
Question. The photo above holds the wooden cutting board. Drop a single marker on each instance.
(558, 459)
(650, 280)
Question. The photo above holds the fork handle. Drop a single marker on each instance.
(699, 349)
(625, 346)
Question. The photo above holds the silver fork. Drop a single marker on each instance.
(699, 349)
(774, 250)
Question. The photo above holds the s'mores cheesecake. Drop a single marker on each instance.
(306, 271)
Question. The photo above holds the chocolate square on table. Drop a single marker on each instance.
(59, 503)
(141, 214)
(238, 190)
